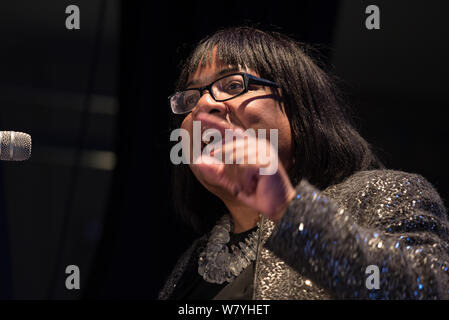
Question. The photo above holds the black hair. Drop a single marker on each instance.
(326, 146)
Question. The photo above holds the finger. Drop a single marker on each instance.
(217, 173)
(245, 177)
(246, 151)
(251, 179)
(213, 121)
(230, 152)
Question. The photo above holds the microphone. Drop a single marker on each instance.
(14, 146)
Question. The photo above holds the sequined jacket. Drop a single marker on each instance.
(380, 228)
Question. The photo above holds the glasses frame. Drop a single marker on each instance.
(247, 80)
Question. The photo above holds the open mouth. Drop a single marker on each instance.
(208, 121)
(205, 140)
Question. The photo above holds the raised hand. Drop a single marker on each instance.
(269, 194)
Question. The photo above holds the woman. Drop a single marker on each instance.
(329, 223)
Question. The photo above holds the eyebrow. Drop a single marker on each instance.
(218, 74)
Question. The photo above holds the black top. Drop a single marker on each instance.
(192, 286)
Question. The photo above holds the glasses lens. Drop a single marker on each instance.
(228, 87)
(184, 101)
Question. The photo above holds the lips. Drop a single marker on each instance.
(212, 121)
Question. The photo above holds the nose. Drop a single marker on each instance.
(209, 105)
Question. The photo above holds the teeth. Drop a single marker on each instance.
(206, 138)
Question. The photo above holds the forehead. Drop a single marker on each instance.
(209, 72)
(209, 68)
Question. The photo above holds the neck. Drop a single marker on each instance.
(244, 218)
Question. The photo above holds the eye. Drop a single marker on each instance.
(190, 101)
(234, 87)
(190, 98)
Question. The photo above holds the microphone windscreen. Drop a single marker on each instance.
(15, 146)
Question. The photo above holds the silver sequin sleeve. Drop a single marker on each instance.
(392, 220)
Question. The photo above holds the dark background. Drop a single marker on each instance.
(96, 192)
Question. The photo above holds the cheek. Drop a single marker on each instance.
(272, 117)
(252, 117)
(261, 114)
(285, 141)
(187, 123)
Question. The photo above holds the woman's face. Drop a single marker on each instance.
(259, 108)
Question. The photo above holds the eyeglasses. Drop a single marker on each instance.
(222, 89)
